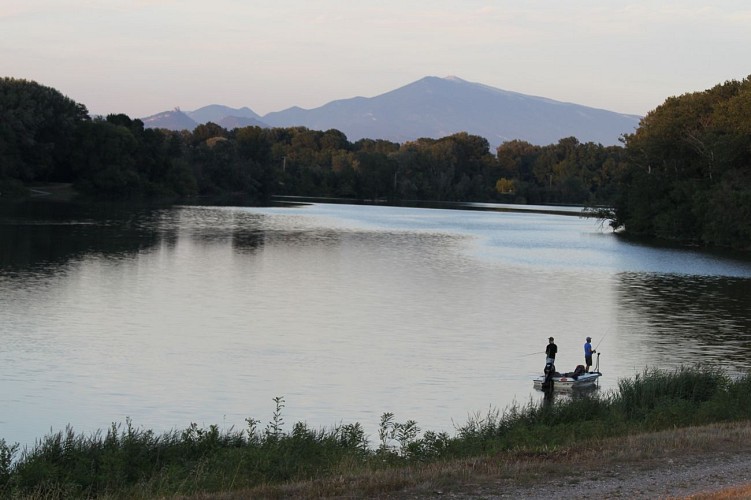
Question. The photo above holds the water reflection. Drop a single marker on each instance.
(697, 317)
(203, 314)
(549, 398)
(47, 235)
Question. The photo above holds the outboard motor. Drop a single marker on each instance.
(547, 384)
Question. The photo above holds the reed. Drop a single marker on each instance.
(129, 462)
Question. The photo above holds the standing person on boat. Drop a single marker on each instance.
(588, 353)
(550, 351)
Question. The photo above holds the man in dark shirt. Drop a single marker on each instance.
(550, 352)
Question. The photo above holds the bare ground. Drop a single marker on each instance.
(665, 465)
(660, 478)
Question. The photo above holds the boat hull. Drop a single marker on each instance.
(567, 383)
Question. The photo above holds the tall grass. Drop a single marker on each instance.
(128, 462)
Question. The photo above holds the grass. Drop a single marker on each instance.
(652, 414)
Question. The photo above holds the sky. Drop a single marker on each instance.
(142, 57)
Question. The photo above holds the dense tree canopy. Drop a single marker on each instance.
(566, 172)
(689, 175)
(36, 129)
(684, 174)
(46, 137)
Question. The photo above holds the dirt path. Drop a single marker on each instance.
(669, 464)
(671, 478)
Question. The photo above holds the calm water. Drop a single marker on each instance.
(201, 314)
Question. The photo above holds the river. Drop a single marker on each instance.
(168, 316)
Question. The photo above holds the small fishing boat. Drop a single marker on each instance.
(578, 379)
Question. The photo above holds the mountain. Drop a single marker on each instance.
(230, 122)
(433, 107)
(172, 120)
(437, 107)
(216, 112)
(223, 116)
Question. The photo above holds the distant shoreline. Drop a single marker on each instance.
(454, 205)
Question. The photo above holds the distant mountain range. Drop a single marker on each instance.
(430, 107)
(223, 116)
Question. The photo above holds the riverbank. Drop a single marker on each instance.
(701, 463)
(690, 425)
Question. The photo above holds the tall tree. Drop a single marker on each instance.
(38, 123)
(689, 175)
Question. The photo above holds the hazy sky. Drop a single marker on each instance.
(140, 57)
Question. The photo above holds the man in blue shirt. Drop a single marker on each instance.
(588, 353)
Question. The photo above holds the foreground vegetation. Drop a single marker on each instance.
(127, 462)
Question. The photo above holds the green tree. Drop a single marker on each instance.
(254, 143)
(104, 160)
(375, 174)
(38, 123)
(689, 169)
(505, 186)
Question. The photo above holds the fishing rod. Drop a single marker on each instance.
(600, 342)
(533, 354)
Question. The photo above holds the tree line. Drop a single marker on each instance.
(46, 137)
(682, 175)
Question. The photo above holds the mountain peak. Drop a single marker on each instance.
(454, 78)
(216, 112)
(173, 120)
(437, 107)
